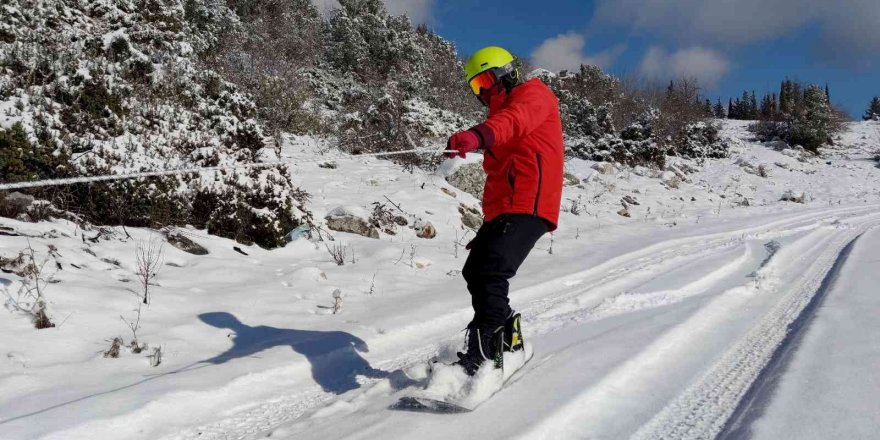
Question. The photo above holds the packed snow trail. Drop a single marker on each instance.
(608, 378)
(594, 314)
(823, 383)
(636, 286)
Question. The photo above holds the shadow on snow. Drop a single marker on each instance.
(334, 356)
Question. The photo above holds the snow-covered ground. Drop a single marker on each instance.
(651, 326)
(824, 383)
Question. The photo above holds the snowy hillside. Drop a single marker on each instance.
(652, 310)
(96, 87)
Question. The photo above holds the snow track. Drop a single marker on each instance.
(622, 286)
(703, 409)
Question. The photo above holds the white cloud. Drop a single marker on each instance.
(852, 39)
(419, 11)
(845, 25)
(566, 51)
(706, 65)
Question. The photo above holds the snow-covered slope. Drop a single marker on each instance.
(652, 325)
(824, 382)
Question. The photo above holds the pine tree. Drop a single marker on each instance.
(814, 123)
(827, 92)
(745, 110)
(730, 109)
(768, 108)
(753, 107)
(708, 108)
(786, 100)
(873, 112)
(718, 110)
(798, 95)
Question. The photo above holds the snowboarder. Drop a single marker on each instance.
(523, 158)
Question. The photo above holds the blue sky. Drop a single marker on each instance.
(730, 45)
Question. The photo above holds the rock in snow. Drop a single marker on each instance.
(469, 178)
(183, 243)
(670, 179)
(470, 216)
(789, 196)
(426, 230)
(571, 179)
(351, 220)
(603, 167)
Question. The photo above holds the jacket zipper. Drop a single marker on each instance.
(511, 180)
(540, 181)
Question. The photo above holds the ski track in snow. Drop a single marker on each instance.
(701, 411)
(594, 294)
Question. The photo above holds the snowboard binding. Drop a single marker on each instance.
(485, 344)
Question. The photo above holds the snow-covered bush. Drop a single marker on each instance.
(809, 121)
(104, 87)
(770, 131)
(702, 141)
(21, 161)
(593, 106)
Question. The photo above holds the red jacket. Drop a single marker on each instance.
(523, 159)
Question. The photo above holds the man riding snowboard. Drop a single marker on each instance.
(523, 158)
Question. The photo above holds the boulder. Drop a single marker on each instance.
(449, 192)
(687, 168)
(675, 169)
(345, 219)
(760, 171)
(470, 217)
(177, 240)
(469, 178)
(426, 230)
(639, 170)
(17, 205)
(603, 167)
(796, 152)
(19, 202)
(670, 179)
(571, 179)
(789, 196)
(629, 200)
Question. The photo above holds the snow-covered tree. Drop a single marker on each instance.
(814, 125)
(804, 117)
(718, 110)
(873, 112)
(768, 109)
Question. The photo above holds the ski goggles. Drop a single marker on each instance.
(488, 79)
(483, 81)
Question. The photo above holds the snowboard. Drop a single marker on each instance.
(450, 390)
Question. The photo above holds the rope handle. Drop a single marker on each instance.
(196, 170)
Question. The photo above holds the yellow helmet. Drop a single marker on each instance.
(489, 68)
(487, 58)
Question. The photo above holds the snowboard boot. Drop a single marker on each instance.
(484, 343)
(513, 340)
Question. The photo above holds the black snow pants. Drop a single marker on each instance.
(497, 251)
